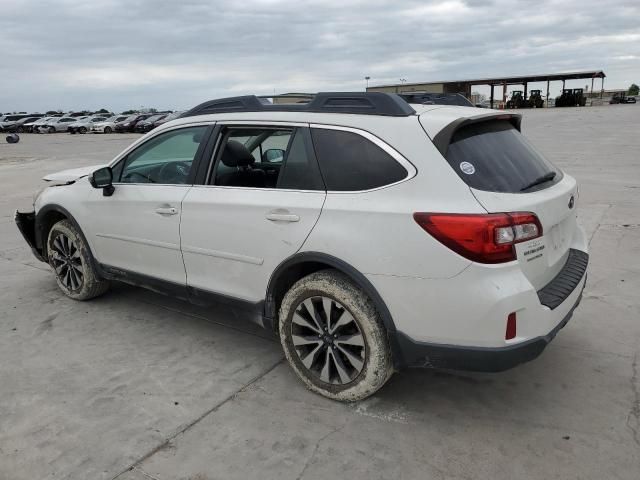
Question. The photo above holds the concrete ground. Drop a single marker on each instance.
(134, 385)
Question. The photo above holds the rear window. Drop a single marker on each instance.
(494, 156)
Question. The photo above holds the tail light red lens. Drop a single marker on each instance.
(482, 238)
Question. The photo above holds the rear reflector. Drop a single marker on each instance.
(511, 327)
(482, 238)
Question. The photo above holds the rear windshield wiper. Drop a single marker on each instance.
(547, 177)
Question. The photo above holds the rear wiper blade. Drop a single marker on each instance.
(547, 177)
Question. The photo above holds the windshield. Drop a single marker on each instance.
(494, 156)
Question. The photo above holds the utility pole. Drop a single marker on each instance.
(367, 78)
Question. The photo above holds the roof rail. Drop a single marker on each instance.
(361, 103)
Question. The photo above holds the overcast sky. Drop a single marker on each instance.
(117, 54)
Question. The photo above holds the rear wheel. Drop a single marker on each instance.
(20, 130)
(70, 259)
(333, 337)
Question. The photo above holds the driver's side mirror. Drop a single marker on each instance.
(103, 178)
(273, 155)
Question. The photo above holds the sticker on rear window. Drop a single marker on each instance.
(467, 168)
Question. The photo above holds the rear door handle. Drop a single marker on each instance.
(166, 210)
(282, 216)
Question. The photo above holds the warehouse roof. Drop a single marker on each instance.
(513, 79)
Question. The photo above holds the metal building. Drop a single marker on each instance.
(464, 86)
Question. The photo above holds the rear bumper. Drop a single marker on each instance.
(26, 223)
(478, 359)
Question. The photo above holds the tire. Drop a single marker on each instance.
(347, 370)
(82, 130)
(19, 130)
(72, 263)
(107, 130)
(52, 130)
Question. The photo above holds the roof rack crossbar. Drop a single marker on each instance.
(361, 103)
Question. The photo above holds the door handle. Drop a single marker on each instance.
(282, 216)
(166, 210)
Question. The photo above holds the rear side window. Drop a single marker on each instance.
(350, 162)
(494, 156)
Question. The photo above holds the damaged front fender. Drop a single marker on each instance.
(26, 223)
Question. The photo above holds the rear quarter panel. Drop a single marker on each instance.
(374, 231)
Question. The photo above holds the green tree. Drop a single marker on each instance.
(634, 89)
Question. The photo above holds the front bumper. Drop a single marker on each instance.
(26, 223)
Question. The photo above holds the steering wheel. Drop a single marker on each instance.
(174, 172)
(131, 174)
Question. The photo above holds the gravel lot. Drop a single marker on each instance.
(135, 385)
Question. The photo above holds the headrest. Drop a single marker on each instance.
(236, 155)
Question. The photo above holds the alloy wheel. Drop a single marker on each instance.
(67, 262)
(328, 340)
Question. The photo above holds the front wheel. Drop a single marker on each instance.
(107, 130)
(70, 259)
(83, 130)
(333, 337)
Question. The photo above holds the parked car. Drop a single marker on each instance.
(129, 124)
(168, 118)
(622, 98)
(19, 125)
(8, 121)
(367, 239)
(31, 127)
(108, 125)
(57, 124)
(147, 125)
(84, 125)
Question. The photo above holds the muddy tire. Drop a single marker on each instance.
(333, 337)
(72, 264)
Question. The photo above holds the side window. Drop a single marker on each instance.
(300, 171)
(165, 159)
(350, 162)
(266, 158)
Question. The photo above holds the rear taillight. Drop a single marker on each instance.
(482, 238)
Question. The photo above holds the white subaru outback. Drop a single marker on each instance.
(368, 233)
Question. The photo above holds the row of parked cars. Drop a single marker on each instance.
(79, 123)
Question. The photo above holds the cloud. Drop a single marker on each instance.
(119, 54)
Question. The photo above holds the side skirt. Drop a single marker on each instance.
(203, 298)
